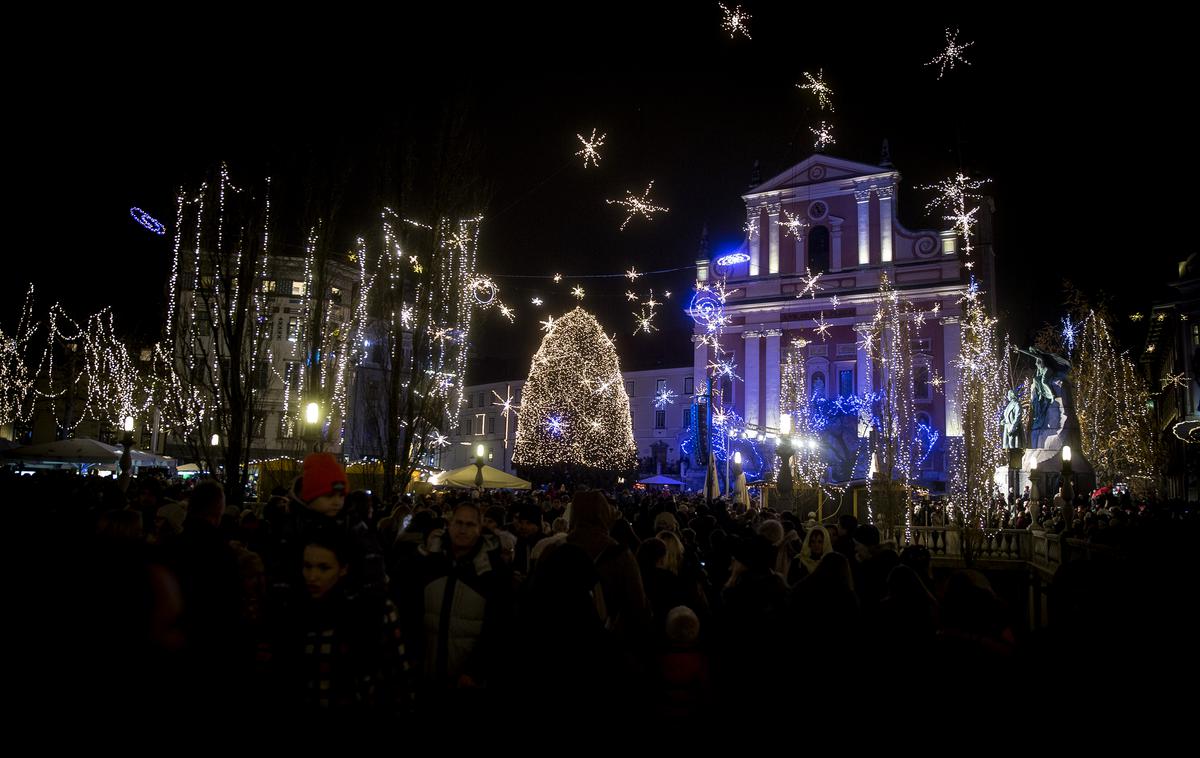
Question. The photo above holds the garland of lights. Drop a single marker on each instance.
(951, 55)
(637, 206)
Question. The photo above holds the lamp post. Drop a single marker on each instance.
(479, 463)
(127, 443)
(312, 415)
(1067, 489)
(784, 451)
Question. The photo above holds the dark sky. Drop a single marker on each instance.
(1078, 122)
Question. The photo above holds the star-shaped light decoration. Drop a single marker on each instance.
(638, 206)
(1069, 331)
(736, 21)
(793, 226)
(508, 313)
(505, 402)
(557, 278)
(751, 228)
(439, 439)
(1136, 317)
(667, 294)
(536, 301)
(810, 284)
(936, 309)
(971, 293)
(834, 302)
(555, 425)
(632, 274)
(651, 303)
(630, 295)
(726, 369)
(824, 135)
(816, 85)
(548, 324)
(937, 382)
(589, 151)
(822, 326)
(951, 55)
(1175, 380)
(577, 291)
(663, 398)
(645, 322)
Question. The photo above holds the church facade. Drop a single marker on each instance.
(838, 218)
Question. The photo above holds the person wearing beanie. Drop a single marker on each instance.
(317, 499)
(528, 527)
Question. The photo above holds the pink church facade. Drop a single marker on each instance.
(852, 235)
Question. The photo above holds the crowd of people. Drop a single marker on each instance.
(324, 601)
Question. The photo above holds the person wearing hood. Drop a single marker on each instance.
(816, 544)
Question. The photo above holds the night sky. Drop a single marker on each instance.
(1075, 120)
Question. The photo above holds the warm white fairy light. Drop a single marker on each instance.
(439, 439)
(548, 324)
(638, 206)
(821, 327)
(630, 295)
(667, 294)
(564, 422)
(751, 228)
(835, 302)
(816, 85)
(1179, 380)
(651, 303)
(736, 21)
(536, 301)
(645, 322)
(663, 398)
(951, 55)
(1135, 317)
(577, 291)
(508, 313)
(810, 287)
(955, 195)
(557, 278)
(590, 150)
(824, 135)
(632, 274)
(793, 226)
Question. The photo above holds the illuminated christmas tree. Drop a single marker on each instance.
(574, 409)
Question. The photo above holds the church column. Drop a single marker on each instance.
(800, 262)
(863, 198)
(752, 379)
(885, 221)
(754, 221)
(950, 349)
(772, 372)
(864, 365)
(773, 241)
(699, 367)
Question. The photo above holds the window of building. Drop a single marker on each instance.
(297, 289)
(659, 386)
(293, 328)
(491, 425)
(629, 388)
(1195, 335)
(268, 286)
(921, 382)
(479, 424)
(688, 386)
(260, 425)
(818, 249)
(846, 382)
(660, 419)
(817, 385)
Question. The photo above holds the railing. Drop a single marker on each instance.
(947, 542)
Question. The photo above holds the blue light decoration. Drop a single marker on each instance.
(555, 425)
(707, 309)
(927, 437)
(148, 221)
(1069, 331)
(727, 439)
(732, 259)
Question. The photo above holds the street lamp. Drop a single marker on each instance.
(1068, 494)
(312, 414)
(216, 439)
(479, 463)
(784, 451)
(127, 443)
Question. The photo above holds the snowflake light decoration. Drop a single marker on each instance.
(645, 322)
(793, 226)
(590, 151)
(663, 398)
(505, 402)
(555, 425)
(508, 313)
(548, 324)
(810, 284)
(952, 54)
(439, 439)
(816, 85)
(536, 301)
(751, 228)
(667, 294)
(557, 278)
(822, 326)
(1069, 331)
(577, 291)
(1175, 380)
(824, 135)
(638, 206)
(834, 302)
(632, 274)
(736, 21)
(630, 295)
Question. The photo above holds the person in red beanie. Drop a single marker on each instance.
(317, 499)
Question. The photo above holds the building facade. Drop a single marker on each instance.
(837, 218)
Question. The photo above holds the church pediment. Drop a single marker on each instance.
(819, 169)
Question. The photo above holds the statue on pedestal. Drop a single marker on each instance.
(1012, 422)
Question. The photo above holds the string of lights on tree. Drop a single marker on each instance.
(574, 409)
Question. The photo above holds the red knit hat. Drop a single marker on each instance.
(322, 475)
